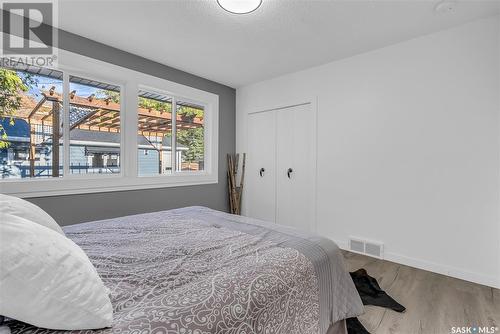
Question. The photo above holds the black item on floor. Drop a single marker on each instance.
(355, 327)
(370, 292)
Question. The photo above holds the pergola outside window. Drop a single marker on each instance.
(31, 127)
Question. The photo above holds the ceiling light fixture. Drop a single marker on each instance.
(239, 6)
(445, 7)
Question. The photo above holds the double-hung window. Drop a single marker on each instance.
(90, 126)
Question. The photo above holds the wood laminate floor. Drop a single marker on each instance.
(434, 303)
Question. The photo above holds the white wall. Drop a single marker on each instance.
(408, 147)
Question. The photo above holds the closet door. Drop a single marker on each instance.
(261, 166)
(296, 166)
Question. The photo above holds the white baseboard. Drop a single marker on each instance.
(442, 269)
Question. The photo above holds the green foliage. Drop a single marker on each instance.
(108, 94)
(194, 141)
(143, 102)
(147, 103)
(191, 138)
(190, 111)
(12, 86)
(155, 105)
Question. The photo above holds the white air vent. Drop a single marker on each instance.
(371, 248)
(357, 246)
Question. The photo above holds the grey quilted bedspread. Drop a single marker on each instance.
(195, 270)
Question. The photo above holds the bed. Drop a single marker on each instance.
(197, 270)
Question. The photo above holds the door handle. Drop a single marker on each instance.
(289, 172)
(261, 172)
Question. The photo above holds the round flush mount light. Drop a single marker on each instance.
(239, 6)
(445, 7)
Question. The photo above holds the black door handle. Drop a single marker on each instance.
(261, 172)
(288, 172)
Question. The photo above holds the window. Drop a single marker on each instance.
(90, 126)
(190, 136)
(154, 141)
(156, 153)
(94, 127)
(31, 113)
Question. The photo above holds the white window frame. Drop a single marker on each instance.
(129, 81)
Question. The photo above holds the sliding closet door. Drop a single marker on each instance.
(261, 166)
(296, 166)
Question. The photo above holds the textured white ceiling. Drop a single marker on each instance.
(282, 36)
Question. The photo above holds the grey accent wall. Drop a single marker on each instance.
(71, 209)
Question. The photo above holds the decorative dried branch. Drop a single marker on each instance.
(235, 191)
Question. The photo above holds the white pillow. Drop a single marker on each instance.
(24, 209)
(46, 280)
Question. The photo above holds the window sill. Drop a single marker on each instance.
(101, 183)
